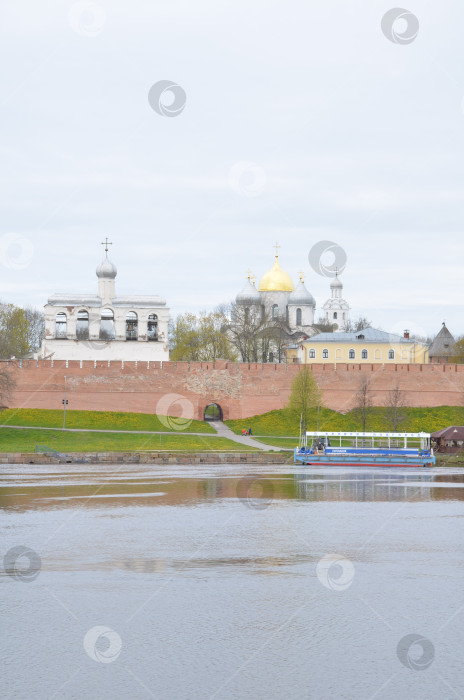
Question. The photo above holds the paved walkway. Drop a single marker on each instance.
(223, 431)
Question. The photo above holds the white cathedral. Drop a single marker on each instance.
(105, 326)
(294, 306)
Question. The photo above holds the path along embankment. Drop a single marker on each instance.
(146, 458)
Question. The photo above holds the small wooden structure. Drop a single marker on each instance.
(441, 349)
(449, 440)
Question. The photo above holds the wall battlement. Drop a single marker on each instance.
(146, 366)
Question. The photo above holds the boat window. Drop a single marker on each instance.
(298, 317)
(312, 353)
(335, 314)
(275, 311)
(391, 354)
(364, 354)
(352, 354)
(325, 354)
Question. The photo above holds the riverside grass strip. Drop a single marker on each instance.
(17, 440)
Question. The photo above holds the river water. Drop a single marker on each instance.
(201, 581)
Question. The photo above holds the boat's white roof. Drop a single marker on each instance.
(393, 435)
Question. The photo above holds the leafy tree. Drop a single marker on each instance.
(458, 352)
(7, 384)
(200, 338)
(363, 402)
(394, 404)
(305, 396)
(13, 331)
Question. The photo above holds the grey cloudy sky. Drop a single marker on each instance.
(352, 138)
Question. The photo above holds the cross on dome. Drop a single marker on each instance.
(276, 246)
(106, 243)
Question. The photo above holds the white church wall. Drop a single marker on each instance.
(307, 316)
(105, 350)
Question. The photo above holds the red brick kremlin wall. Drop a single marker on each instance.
(242, 390)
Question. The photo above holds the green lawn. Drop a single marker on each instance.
(280, 423)
(17, 440)
(288, 443)
(103, 420)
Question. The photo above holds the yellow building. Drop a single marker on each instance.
(366, 346)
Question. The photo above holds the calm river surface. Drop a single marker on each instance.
(195, 581)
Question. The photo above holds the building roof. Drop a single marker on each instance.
(248, 295)
(453, 432)
(276, 280)
(93, 300)
(366, 335)
(301, 297)
(442, 345)
(107, 269)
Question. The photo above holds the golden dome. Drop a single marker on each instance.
(276, 280)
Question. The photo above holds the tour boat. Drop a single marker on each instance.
(365, 449)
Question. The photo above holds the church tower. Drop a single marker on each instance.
(336, 309)
(301, 307)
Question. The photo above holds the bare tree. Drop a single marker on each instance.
(394, 404)
(363, 402)
(324, 326)
(355, 325)
(35, 320)
(253, 333)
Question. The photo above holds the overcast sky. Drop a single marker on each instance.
(302, 122)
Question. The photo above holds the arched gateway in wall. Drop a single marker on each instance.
(213, 412)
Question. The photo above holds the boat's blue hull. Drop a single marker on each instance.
(369, 458)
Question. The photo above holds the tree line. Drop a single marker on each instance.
(21, 330)
(306, 400)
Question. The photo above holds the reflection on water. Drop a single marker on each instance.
(216, 582)
(39, 488)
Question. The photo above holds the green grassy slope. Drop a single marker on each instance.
(280, 423)
(104, 420)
